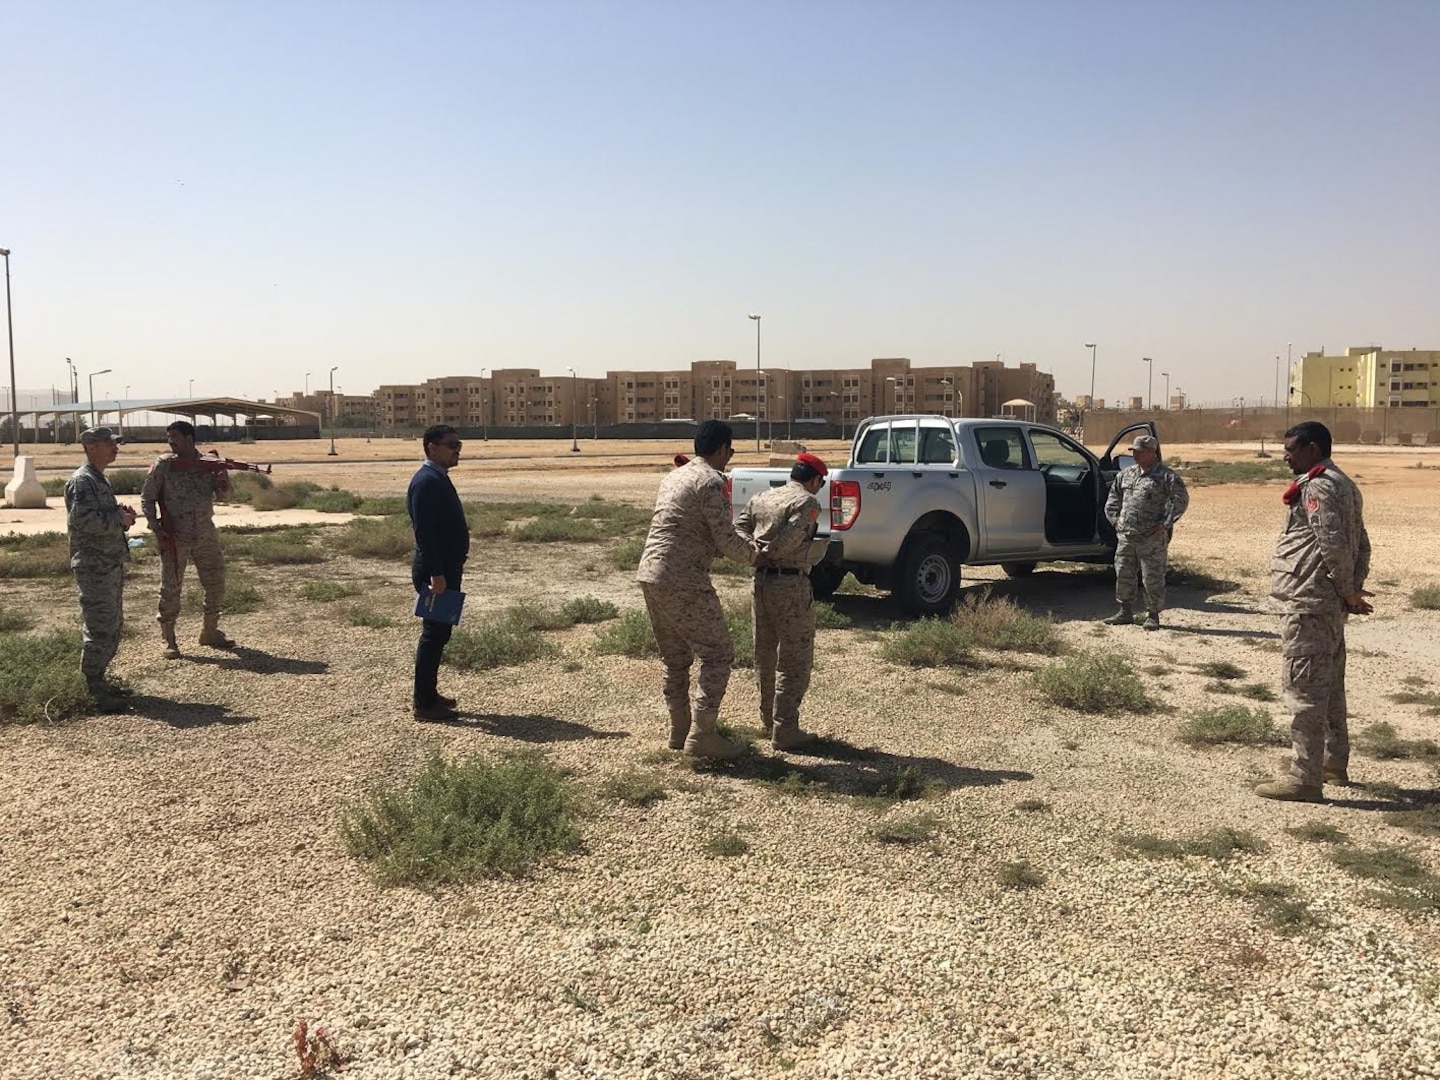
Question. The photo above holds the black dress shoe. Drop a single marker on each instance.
(448, 702)
(433, 713)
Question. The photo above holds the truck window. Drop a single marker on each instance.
(902, 444)
(1002, 447)
(875, 447)
(937, 447)
(1052, 449)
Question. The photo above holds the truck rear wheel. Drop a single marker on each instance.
(930, 578)
(824, 580)
(1018, 569)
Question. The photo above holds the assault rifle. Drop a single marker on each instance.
(211, 463)
(214, 463)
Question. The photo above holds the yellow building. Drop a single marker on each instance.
(1367, 377)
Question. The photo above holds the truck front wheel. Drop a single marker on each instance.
(930, 578)
(1018, 569)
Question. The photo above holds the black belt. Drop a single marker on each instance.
(773, 570)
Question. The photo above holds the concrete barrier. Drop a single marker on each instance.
(25, 492)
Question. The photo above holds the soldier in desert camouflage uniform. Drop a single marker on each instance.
(96, 524)
(689, 527)
(1145, 501)
(782, 522)
(178, 501)
(1317, 578)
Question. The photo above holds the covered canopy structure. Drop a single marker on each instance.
(1008, 408)
(221, 412)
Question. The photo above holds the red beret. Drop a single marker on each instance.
(813, 461)
(681, 459)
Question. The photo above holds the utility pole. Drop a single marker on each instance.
(757, 380)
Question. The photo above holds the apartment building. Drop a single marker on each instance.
(522, 397)
(1367, 377)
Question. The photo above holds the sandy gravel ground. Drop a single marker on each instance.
(174, 894)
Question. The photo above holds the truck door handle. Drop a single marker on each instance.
(997, 483)
(917, 475)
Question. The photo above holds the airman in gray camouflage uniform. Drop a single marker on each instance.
(689, 527)
(1145, 500)
(782, 521)
(178, 501)
(1317, 578)
(96, 525)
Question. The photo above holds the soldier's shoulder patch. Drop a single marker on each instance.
(813, 512)
(1312, 504)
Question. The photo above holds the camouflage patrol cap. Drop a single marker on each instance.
(1145, 442)
(97, 435)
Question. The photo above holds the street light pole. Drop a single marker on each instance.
(1167, 388)
(106, 371)
(307, 384)
(1150, 388)
(484, 410)
(10, 331)
(333, 451)
(757, 379)
(574, 419)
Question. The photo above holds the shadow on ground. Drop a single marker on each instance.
(185, 714)
(532, 729)
(1068, 594)
(1386, 797)
(836, 767)
(241, 658)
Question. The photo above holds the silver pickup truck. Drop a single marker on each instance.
(923, 495)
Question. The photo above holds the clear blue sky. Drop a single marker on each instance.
(240, 193)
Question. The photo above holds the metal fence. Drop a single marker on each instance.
(1374, 427)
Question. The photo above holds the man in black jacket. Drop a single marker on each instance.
(442, 543)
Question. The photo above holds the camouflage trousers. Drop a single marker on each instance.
(689, 623)
(1141, 559)
(209, 567)
(1312, 648)
(783, 607)
(102, 618)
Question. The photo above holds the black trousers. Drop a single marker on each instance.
(433, 638)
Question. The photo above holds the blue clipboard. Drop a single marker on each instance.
(444, 608)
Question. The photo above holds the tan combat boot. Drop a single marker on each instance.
(1337, 774)
(679, 725)
(172, 648)
(1152, 620)
(706, 742)
(1123, 617)
(1290, 790)
(788, 736)
(212, 636)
